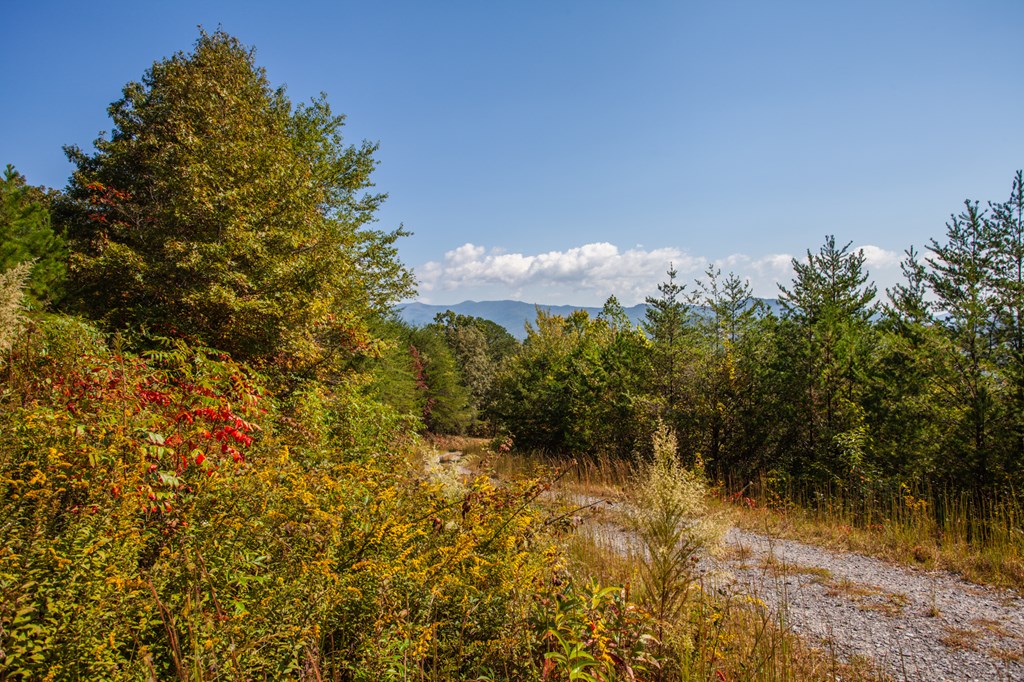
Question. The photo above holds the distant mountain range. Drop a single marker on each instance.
(513, 315)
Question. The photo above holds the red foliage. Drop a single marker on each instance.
(178, 422)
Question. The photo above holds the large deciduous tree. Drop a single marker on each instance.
(479, 347)
(218, 209)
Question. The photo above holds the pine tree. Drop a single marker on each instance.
(722, 372)
(1007, 221)
(667, 323)
(905, 378)
(830, 305)
(26, 234)
(960, 277)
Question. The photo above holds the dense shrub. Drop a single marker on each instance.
(161, 518)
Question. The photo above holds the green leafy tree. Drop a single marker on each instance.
(219, 210)
(532, 398)
(414, 372)
(392, 375)
(446, 404)
(829, 308)
(26, 234)
(960, 278)
(577, 384)
(610, 375)
(479, 347)
(667, 323)
(500, 344)
(469, 348)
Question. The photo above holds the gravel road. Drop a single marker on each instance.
(918, 626)
(915, 625)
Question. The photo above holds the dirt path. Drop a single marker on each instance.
(915, 625)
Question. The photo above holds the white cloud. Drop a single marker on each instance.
(876, 257)
(778, 264)
(592, 271)
(588, 274)
(763, 273)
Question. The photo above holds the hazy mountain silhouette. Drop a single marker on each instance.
(513, 315)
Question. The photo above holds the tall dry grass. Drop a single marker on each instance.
(980, 536)
(714, 635)
(12, 293)
(719, 635)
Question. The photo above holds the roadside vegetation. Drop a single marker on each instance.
(976, 537)
(664, 518)
(893, 423)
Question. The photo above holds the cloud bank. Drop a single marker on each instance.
(588, 274)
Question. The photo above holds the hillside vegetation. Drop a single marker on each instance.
(213, 424)
(901, 416)
(209, 425)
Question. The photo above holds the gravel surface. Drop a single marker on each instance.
(915, 625)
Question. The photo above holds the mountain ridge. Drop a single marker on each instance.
(513, 315)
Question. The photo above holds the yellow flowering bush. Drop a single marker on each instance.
(162, 516)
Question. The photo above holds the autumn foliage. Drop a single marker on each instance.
(219, 209)
(199, 479)
(163, 520)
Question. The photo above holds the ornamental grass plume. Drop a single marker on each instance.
(670, 518)
(12, 293)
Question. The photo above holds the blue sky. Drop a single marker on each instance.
(560, 151)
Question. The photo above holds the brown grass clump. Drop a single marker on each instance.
(960, 638)
(850, 588)
(1008, 654)
(776, 567)
(995, 627)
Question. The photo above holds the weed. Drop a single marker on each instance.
(1008, 655)
(995, 627)
(776, 567)
(960, 638)
(844, 587)
(669, 516)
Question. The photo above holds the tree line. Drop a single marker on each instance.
(841, 386)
